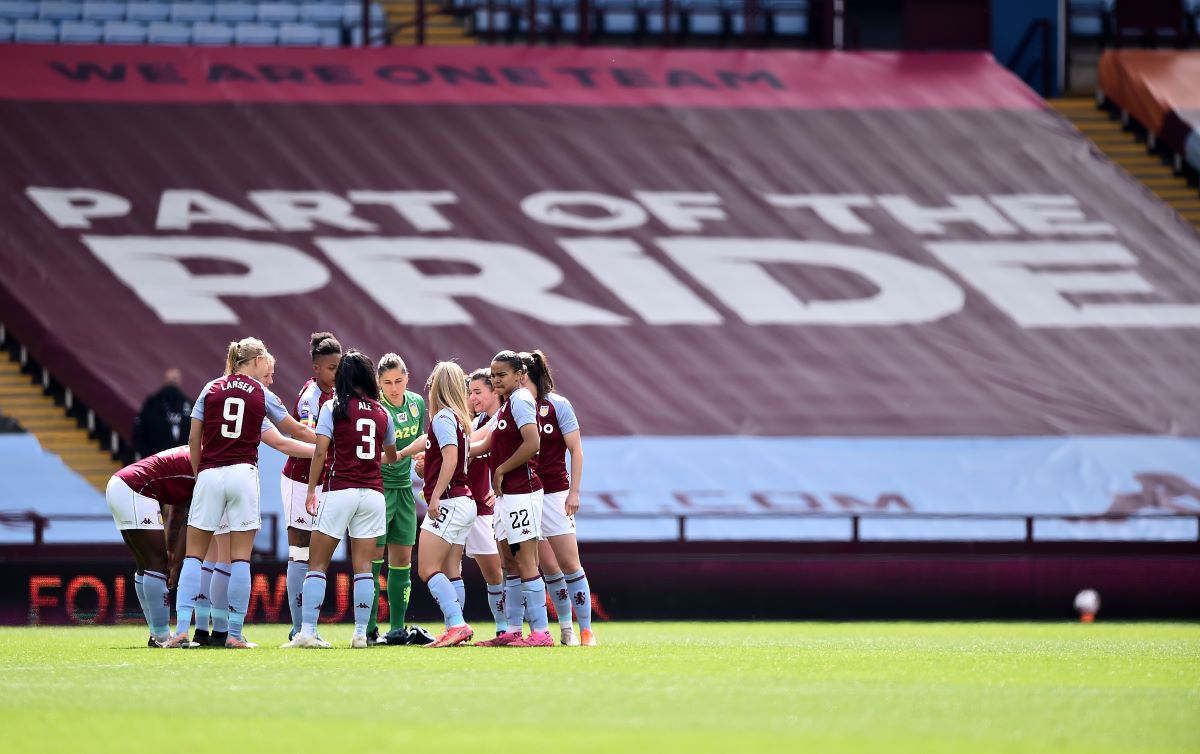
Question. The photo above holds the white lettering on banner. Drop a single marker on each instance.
(548, 208)
(180, 209)
(74, 208)
(301, 210)
(835, 209)
(1049, 214)
(1001, 271)
(509, 277)
(152, 266)
(640, 282)
(682, 210)
(933, 220)
(417, 207)
(732, 269)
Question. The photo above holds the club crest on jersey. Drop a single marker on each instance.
(412, 409)
(545, 411)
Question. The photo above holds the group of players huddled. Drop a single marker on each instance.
(492, 450)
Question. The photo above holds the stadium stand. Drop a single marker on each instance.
(327, 23)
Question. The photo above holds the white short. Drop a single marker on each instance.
(555, 521)
(481, 540)
(226, 491)
(294, 494)
(455, 518)
(131, 510)
(359, 510)
(223, 526)
(519, 517)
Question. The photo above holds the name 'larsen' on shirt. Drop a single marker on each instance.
(241, 385)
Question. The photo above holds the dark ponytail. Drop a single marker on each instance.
(355, 377)
(323, 344)
(539, 372)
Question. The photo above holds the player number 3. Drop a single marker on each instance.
(366, 450)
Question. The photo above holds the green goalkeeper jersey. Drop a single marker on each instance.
(410, 423)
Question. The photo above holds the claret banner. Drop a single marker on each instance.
(737, 262)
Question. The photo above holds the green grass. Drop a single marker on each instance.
(657, 687)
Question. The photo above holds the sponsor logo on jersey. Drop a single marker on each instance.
(401, 417)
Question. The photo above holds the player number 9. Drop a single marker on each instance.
(234, 411)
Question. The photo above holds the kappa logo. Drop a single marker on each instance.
(436, 525)
(301, 520)
(363, 606)
(524, 531)
(146, 522)
(201, 596)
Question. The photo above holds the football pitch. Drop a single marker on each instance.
(657, 687)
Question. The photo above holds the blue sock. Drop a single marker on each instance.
(239, 595)
(157, 602)
(364, 595)
(185, 594)
(443, 593)
(581, 598)
(460, 593)
(556, 587)
(296, 571)
(534, 593)
(496, 603)
(314, 595)
(219, 597)
(203, 600)
(514, 605)
(141, 595)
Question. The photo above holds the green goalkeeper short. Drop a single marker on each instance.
(401, 517)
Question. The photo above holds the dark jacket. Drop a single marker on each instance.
(163, 422)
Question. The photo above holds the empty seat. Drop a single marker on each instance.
(169, 33)
(356, 36)
(499, 20)
(35, 30)
(352, 14)
(191, 12)
(321, 13)
(79, 32)
(7, 28)
(59, 10)
(331, 36)
(18, 9)
(205, 33)
(278, 13)
(255, 35)
(299, 35)
(235, 12)
(705, 17)
(147, 10)
(124, 33)
(103, 10)
(789, 24)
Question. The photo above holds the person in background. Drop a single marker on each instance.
(164, 420)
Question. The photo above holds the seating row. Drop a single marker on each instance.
(169, 33)
(343, 12)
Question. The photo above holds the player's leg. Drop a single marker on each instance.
(566, 551)
(524, 512)
(377, 562)
(481, 546)
(152, 552)
(244, 521)
(219, 594)
(452, 567)
(437, 538)
(119, 498)
(366, 524)
(333, 517)
(299, 525)
(208, 505)
(401, 536)
(204, 599)
(556, 522)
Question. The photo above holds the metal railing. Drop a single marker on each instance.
(39, 523)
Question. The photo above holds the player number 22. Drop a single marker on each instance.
(519, 518)
(233, 411)
(366, 450)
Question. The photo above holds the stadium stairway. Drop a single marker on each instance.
(1122, 147)
(23, 399)
(441, 29)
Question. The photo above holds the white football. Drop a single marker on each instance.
(1088, 601)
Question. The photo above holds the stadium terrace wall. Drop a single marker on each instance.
(770, 281)
(1158, 89)
(723, 582)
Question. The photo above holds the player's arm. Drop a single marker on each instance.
(287, 445)
(284, 421)
(575, 447)
(531, 441)
(320, 451)
(481, 446)
(410, 450)
(176, 528)
(389, 450)
(194, 436)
